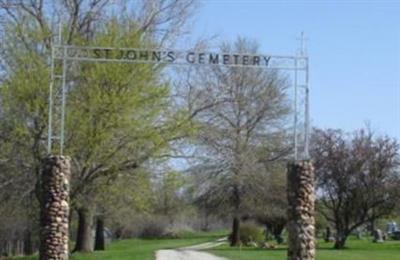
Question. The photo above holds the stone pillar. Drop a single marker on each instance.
(54, 208)
(301, 196)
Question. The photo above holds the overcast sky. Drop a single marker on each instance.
(353, 47)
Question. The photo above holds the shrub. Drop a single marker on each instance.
(154, 227)
(250, 232)
(158, 227)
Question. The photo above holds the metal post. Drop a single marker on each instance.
(307, 116)
(50, 126)
(63, 94)
(304, 57)
(295, 110)
(55, 131)
(60, 32)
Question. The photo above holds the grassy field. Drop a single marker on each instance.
(357, 250)
(143, 249)
(140, 249)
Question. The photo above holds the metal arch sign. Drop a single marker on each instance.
(156, 56)
(63, 54)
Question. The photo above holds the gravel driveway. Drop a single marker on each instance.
(190, 253)
(185, 255)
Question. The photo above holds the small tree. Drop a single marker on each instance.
(356, 178)
(169, 202)
(247, 111)
(270, 202)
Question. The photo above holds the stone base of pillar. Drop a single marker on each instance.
(301, 222)
(54, 208)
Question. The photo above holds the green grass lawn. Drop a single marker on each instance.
(143, 249)
(356, 250)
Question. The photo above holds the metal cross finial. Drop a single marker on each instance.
(303, 40)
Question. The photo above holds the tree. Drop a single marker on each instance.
(29, 36)
(114, 123)
(356, 178)
(22, 133)
(119, 205)
(242, 109)
(169, 200)
(269, 204)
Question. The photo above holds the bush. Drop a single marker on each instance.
(154, 227)
(250, 232)
(158, 227)
(152, 231)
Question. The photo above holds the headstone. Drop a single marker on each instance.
(391, 227)
(396, 235)
(378, 236)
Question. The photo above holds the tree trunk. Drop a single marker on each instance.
(340, 240)
(266, 232)
(118, 233)
(277, 230)
(327, 234)
(372, 226)
(84, 238)
(206, 224)
(235, 237)
(99, 240)
(28, 246)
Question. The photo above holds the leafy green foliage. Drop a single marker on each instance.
(168, 198)
(118, 117)
(250, 232)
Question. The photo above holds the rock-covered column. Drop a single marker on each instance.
(54, 208)
(301, 197)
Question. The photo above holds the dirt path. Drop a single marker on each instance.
(191, 252)
(185, 255)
